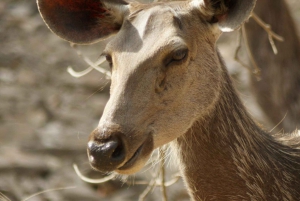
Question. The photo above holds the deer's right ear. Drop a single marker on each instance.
(83, 21)
(228, 14)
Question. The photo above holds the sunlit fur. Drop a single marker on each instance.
(223, 154)
(156, 112)
(155, 100)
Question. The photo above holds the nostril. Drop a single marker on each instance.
(118, 152)
(106, 154)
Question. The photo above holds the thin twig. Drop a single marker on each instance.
(272, 43)
(237, 50)
(267, 28)
(243, 34)
(252, 60)
(269, 31)
(162, 155)
(92, 181)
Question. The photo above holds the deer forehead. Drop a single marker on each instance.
(149, 29)
(155, 20)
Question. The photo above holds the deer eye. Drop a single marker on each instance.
(179, 55)
(176, 57)
(109, 60)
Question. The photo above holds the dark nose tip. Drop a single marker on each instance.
(106, 154)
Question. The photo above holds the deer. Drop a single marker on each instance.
(169, 85)
(277, 92)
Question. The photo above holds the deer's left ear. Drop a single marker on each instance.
(83, 21)
(229, 14)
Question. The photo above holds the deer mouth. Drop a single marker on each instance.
(131, 162)
(139, 157)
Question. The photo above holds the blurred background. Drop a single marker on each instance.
(46, 114)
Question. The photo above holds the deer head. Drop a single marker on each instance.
(165, 66)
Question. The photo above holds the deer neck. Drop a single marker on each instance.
(225, 156)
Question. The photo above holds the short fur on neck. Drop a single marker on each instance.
(225, 156)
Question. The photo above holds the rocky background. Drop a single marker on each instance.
(46, 115)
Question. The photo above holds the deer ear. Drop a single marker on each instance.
(83, 21)
(229, 14)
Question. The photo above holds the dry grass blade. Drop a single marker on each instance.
(278, 123)
(159, 183)
(171, 182)
(97, 67)
(49, 190)
(92, 181)
(149, 188)
(3, 197)
(91, 65)
(79, 74)
(152, 184)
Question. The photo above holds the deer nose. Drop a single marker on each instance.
(107, 154)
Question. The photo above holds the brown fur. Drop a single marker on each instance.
(225, 156)
(278, 91)
(191, 101)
